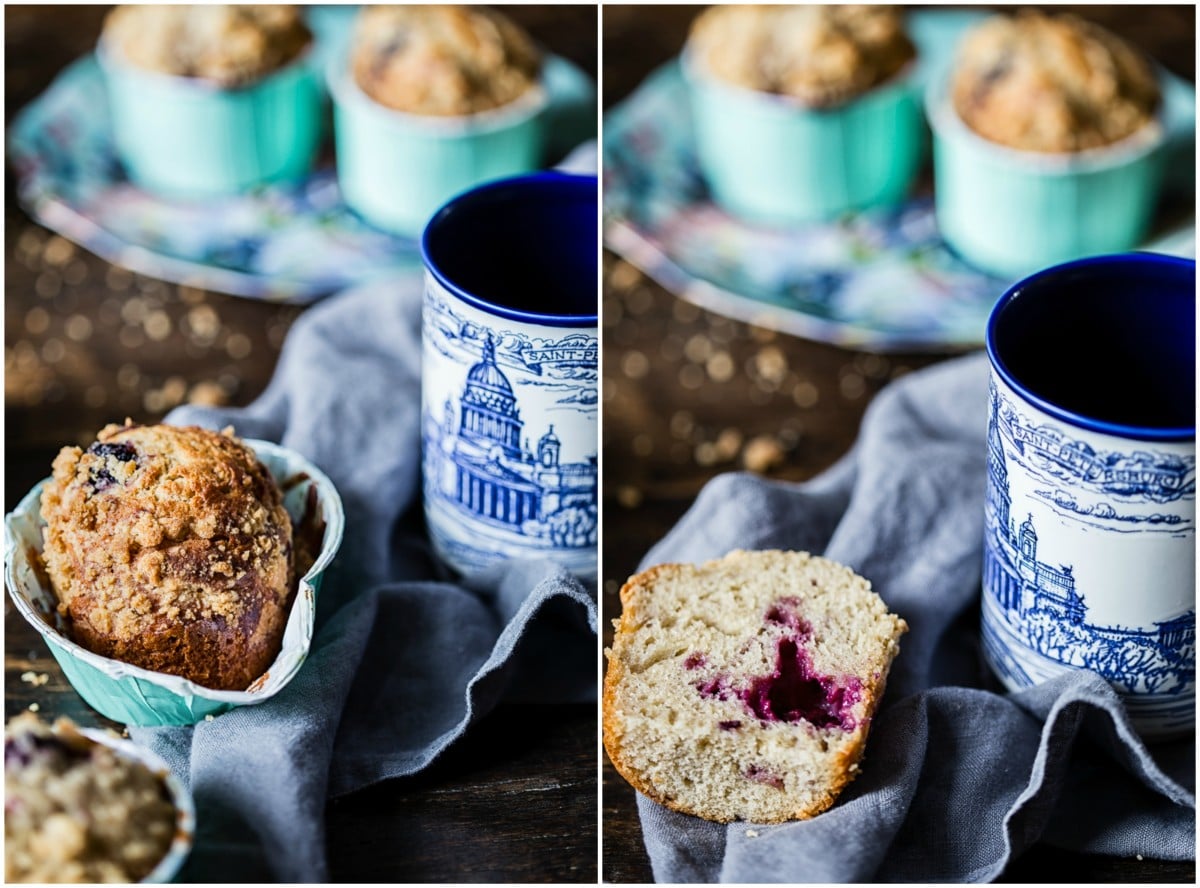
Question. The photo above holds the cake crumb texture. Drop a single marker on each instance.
(442, 60)
(77, 812)
(227, 45)
(169, 548)
(1051, 83)
(819, 55)
(744, 688)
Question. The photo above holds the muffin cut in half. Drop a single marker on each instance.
(743, 688)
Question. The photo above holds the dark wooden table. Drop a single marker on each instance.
(689, 394)
(87, 343)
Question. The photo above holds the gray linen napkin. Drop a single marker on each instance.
(959, 778)
(402, 662)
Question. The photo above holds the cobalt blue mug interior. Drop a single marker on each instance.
(509, 373)
(1090, 514)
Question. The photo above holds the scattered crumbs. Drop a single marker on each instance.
(1139, 857)
(752, 834)
(208, 717)
(33, 707)
(37, 679)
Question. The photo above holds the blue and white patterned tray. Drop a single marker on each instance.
(285, 243)
(878, 280)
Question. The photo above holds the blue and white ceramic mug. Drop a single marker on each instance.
(509, 373)
(1089, 556)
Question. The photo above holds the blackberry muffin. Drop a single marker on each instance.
(744, 688)
(1052, 84)
(170, 548)
(76, 811)
(820, 55)
(442, 60)
(230, 46)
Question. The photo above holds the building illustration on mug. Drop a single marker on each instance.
(510, 494)
(1036, 606)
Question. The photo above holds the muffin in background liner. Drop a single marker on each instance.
(140, 697)
(1012, 212)
(185, 137)
(185, 810)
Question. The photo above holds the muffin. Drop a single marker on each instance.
(77, 811)
(1044, 83)
(169, 548)
(818, 55)
(744, 688)
(442, 60)
(228, 45)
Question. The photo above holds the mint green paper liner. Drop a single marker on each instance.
(769, 159)
(135, 696)
(185, 137)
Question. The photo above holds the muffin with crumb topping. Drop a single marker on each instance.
(819, 55)
(442, 60)
(227, 45)
(1052, 83)
(170, 548)
(78, 811)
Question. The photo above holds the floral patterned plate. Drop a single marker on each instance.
(881, 280)
(290, 243)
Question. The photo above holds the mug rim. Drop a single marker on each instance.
(1177, 434)
(513, 314)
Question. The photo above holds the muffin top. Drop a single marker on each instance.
(442, 60)
(1051, 84)
(170, 548)
(76, 811)
(820, 55)
(227, 45)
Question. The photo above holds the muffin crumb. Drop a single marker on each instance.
(819, 55)
(1051, 84)
(442, 60)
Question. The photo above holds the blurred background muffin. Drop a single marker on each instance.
(169, 548)
(78, 811)
(803, 113)
(179, 136)
(1051, 138)
(442, 60)
(430, 101)
(820, 55)
(228, 45)
(1052, 83)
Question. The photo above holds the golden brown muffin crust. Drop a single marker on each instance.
(819, 55)
(442, 60)
(1052, 84)
(226, 44)
(170, 548)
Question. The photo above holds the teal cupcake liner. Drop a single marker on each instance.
(396, 169)
(185, 137)
(185, 810)
(770, 159)
(1012, 212)
(140, 697)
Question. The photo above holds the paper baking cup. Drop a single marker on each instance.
(769, 158)
(1013, 212)
(186, 137)
(396, 169)
(136, 696)
(185, 810)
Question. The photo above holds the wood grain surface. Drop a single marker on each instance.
(689, 394)
(87, 343)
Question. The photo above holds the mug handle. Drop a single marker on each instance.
(570, 114)
(1179, 129)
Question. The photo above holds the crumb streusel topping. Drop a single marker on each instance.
(1053, 84)
(820, 55)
